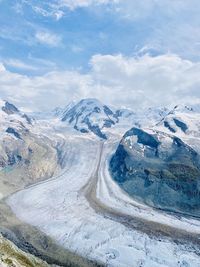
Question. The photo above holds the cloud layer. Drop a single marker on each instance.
(134, 82)
(45, 44)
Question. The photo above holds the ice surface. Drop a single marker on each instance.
(59, 207)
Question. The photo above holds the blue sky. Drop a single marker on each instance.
(78, 35)
(93, 40)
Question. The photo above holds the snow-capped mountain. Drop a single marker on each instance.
(90, 115)
(13, 121)
(10, 109)
(158, 169)
(22, 150)
(146, 118)
(61, 112)
(153, 115)
(159, 163)
(183, 121)
(153, 164)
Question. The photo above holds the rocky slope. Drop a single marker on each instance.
(25, 156)
(159, 165)
(11, 256)
(159, 168)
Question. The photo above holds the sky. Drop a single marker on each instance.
(127, 53)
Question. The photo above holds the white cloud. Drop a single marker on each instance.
(43, 92)
(129, 81)
(167, 25)
(2, 68)
(48, 38)
(18, 64)
(32, 65)
(57, 8)
(146, 80)
(128, 8)
(72, 4)
(141, 9)
(54, 12)
(117, 80)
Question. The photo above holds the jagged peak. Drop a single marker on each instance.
(8, 107)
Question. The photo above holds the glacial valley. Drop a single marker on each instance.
(102, 186)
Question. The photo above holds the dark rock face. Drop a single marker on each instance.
(28, 119)
(95, 129)
(9, 108)
(14, 132)
(159, 170)
(178, 124)
(181, 125)
(167, 125)
(143, 137)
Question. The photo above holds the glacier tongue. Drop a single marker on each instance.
(86, 215)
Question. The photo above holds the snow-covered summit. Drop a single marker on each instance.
(60, 112)
(8, 108)
(90, 115)
(182, 120)
(10, 111)
(12, 120)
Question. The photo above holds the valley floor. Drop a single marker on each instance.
(84, 211)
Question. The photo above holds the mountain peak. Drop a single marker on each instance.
(90, 115)
(9, 112)
(8, 108)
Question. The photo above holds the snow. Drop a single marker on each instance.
(87, 111)
(60, 208)
(15, 120)
(90, 112)
(89, 223)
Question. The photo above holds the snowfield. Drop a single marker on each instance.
(79, 209)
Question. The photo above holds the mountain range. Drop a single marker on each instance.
(152, 155)
(26, 155)
(162, 145)
(90, 115)
(160, 165)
